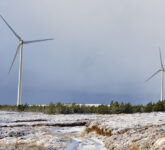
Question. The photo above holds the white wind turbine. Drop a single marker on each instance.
(162, 72)
(20, 49)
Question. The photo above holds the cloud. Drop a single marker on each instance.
(100, 48)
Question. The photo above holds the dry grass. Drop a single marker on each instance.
(98, 131)
(35, 147)
(133, 147)
(124, 131)
(24, 146)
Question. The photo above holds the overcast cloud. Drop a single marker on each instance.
(103, 50)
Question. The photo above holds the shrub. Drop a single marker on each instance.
(159, 106)
(148, 107)
(128, 108)
(114, 108)
(103, 109)
(50, 109)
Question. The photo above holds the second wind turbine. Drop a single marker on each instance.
(20, 49)
(162, 72)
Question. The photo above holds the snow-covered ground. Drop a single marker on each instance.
(89, 132)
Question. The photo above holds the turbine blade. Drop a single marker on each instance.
(35, 41)
(18, 48)
(153, 75)
(160, 57)
(19, 38)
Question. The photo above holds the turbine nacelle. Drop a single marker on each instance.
(162, 69)
(21, 42)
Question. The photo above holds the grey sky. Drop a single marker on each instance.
(103, 50)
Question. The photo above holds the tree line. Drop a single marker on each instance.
(114, 108)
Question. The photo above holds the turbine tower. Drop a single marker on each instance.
(162, 73)
(20, 49)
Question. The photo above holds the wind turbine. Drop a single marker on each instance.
(162, 72)
(20, 49)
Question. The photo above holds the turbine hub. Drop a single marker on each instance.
(162, 69)
(21, 42)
